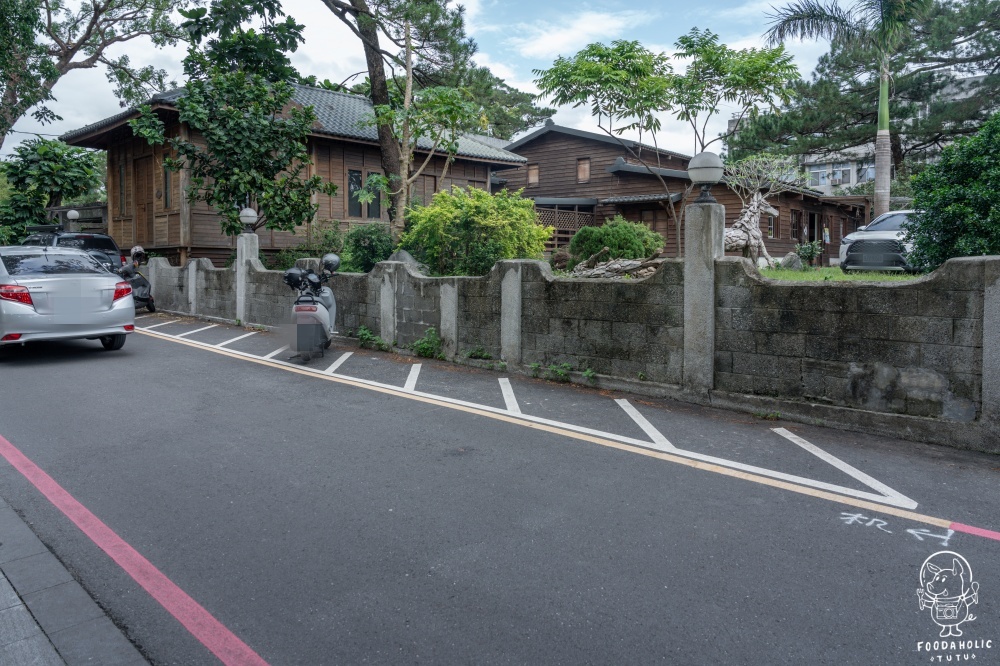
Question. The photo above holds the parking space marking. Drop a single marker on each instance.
(149, 328)
(276, 352)
(508, 396)
(336, 364)
(223, 344)
(873, 501)
(214, 635)
(840, 464)
(197, 330)
(661, 442)
(143, 316)
(411, 379)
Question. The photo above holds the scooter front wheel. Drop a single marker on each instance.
(151, 306)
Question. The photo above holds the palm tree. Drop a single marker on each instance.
(878, 25)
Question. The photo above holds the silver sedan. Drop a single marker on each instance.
(56, 293)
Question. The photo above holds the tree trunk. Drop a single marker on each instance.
(883, 151)
(388, 145)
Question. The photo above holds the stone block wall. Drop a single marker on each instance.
(168, 285)
(912, 348)
(214, 291)
(616, 327)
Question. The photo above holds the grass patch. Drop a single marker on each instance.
(834, 274)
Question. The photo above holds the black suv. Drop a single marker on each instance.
(101, 246)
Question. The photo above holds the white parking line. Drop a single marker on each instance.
(839, 464)
(197, 330)
(149, 328)
(223, 344)
(143, 316)
(661, 442)
(892, 498)
(336, 364)
(275, 352)
(508, 396)
(411, 380)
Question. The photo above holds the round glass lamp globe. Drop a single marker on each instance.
(248, 216)
(705, 169)
(73, 215)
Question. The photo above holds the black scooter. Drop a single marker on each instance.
(141, 289)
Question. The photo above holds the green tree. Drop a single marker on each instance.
(626, 85)
(44, 173)
(238, 99)
(48, 39)
(934, 97)
(878, 26)
(958, 201)
(507, 109)
(465, 232)
(366, 245)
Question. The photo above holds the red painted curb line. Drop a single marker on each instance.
(213, 634)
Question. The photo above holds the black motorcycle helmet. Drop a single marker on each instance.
(293, 277)
(330, 262)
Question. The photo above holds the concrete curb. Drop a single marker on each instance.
(46, 617)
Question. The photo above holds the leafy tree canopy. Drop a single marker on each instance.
(44, 173)
(239, 100)
(958, 199)
(47, 39)
(934, 96)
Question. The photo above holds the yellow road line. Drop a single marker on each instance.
(708, 467)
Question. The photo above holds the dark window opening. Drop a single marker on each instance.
(353, 188)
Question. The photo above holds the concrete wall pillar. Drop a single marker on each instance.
(247, 247)
(387, 305)
(704, 228)
(510, 313)
(991, 352)
(191, 285)
(449, 319)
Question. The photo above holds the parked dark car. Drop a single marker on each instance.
(100, 246)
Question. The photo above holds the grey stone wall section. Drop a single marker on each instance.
(387, 302)
(629, 329)
(912, 348)
(167, 284)
(247, 248)
(991, 352)
(704, 228)
(190, 279)
(216, 288)
(510, 312)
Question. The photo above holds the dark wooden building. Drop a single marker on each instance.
(146, 204)
(578, 178)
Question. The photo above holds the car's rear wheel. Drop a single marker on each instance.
(113, 342)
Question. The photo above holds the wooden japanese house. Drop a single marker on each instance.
(579, 178)
(147, 206)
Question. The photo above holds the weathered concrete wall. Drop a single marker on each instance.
(615, 327)
(911, 348)
(918, 359)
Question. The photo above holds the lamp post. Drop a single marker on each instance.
(248, 216)
(72, 215)
(705, 169)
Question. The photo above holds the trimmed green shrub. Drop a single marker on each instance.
(365, 246)
(624, 240)
(958, 201)
(465, 232)
(325, 239)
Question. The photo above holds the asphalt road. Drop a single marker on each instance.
(383, 514)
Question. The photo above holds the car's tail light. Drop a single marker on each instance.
(10, 337)
(18, 294)
(122, 289)
(305, 308)
(129, 327)
(123, 260)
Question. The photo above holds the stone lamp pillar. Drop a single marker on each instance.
(704, 230)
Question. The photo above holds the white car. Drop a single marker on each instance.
(59, 293)
(878, 246)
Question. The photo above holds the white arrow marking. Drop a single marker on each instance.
(661, 442)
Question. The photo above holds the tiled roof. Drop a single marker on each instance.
(337, 114)
(642, 198)
(593, 136)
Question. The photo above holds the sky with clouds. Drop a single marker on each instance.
(514, 38)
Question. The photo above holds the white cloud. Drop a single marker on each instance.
(567, 37)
